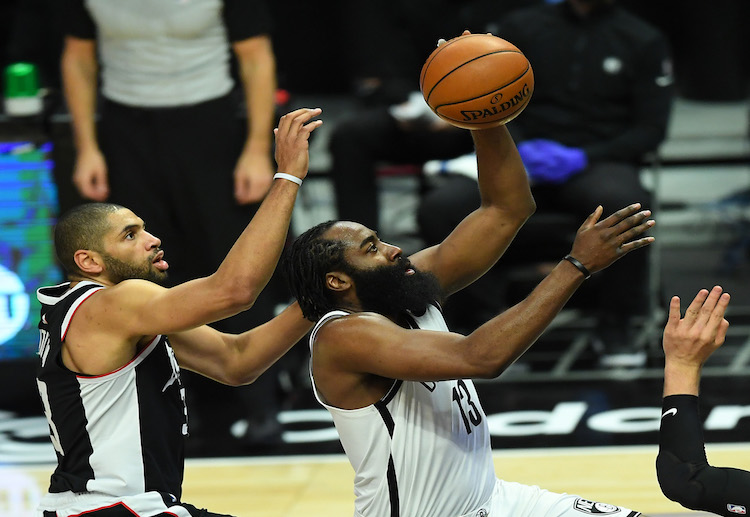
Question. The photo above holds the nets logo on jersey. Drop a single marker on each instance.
(594, 508)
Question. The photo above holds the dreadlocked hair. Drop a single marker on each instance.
(305, 265)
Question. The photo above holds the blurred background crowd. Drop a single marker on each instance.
(608, 75)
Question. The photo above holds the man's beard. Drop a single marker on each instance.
(388, 290)
(118, 271)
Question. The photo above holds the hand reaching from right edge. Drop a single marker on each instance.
(688, 342)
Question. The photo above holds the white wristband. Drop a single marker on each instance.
(285, 176)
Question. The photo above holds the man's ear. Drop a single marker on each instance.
(338, 281)
(89, 262)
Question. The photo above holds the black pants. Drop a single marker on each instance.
(174, 168)
(372, 136)
(617, 293)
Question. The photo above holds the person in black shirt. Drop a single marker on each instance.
(173, 120)
(389, 123)
(601, 103)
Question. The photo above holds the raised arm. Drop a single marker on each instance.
(397, 353)
(682, 467)
(144, 308)
(688, 342)
(484, 235)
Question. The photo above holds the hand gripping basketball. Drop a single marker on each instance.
(476, 81)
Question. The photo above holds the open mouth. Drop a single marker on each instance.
(159, 262)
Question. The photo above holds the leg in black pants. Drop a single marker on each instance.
(371, 136)
(621, 292)
(174, 168)
(617, 294)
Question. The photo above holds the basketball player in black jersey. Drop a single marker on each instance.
(107, 375)
(682, 467)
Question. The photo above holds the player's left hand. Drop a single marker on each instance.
(292, 150)
(600, 242)
(253, 175)
(691, 340)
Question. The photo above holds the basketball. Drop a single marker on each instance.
(476, 81)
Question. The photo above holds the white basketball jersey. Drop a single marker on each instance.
(422, 450)
(115, 435)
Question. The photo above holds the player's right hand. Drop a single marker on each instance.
(90, 175)
(689, 341)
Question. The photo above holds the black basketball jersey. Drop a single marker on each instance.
(121, 433)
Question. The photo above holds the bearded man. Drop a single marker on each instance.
(397, 382)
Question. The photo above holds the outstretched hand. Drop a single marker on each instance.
(293, 139)
(692, 339)
(598, 244)
(688, 342)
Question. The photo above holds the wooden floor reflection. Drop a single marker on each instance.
(321, 486)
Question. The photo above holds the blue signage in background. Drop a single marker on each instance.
(28, 211)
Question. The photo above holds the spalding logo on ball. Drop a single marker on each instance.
(477, 81)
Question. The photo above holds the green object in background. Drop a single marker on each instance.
(22, 95)
(21, 80)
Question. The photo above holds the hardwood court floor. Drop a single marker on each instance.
(321, 486)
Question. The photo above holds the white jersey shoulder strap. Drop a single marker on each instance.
(322, 321)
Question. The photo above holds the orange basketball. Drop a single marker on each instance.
(477, 81)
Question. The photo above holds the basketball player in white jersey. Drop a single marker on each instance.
(107, 376)
(396, 380)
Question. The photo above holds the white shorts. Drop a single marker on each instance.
(511, 499)
(147, 504)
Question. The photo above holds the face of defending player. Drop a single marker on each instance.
(383, 280)
(130, 252)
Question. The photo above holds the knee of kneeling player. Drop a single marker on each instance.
(677, 480)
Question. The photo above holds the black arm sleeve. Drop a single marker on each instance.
(682, 468)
